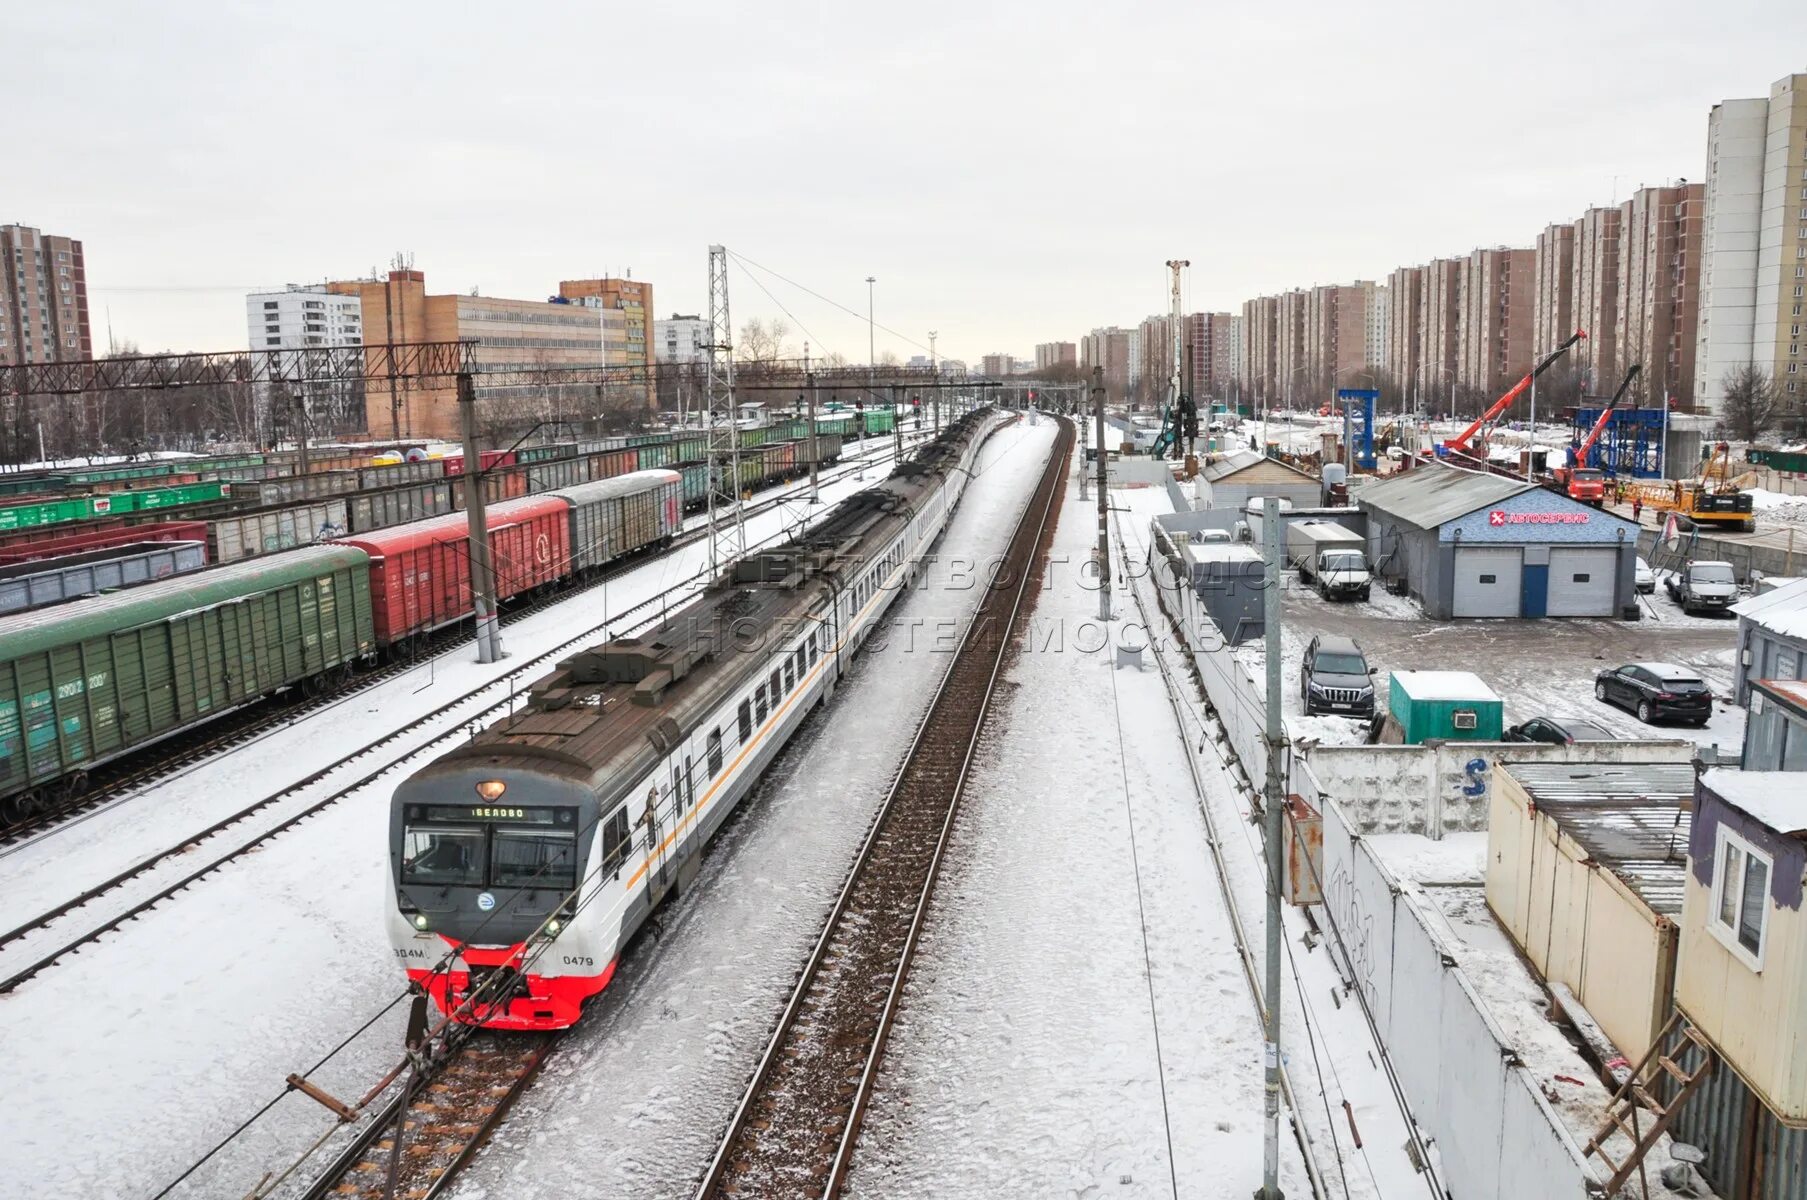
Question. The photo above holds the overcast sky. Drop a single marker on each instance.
(1010, 173)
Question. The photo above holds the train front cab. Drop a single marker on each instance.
(486, 858)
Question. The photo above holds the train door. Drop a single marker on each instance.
(653, 822)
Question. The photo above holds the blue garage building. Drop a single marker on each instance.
(1473, 544)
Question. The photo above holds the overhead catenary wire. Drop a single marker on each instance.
(745, 261)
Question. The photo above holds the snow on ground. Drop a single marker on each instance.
(1330, 1051)
(41, 873)
(1078, 998)
(157, 1041)
(1778, 508)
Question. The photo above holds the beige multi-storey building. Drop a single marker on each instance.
(1754, 234)
(525, 336)
(1494, 328)
(997, 366)
(1292, 355)
(1659, 291)
(1594, 302)
(1260, 336)
(1056, 354)
(1553, 303)
(43, 298)
(1439, 343)
(1405, 327)
(633, 343)
(1110, 348)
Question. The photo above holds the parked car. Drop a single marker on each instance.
(1656, 690)
(1336, 678)
(1703, 587)
(1558, 731)
(1646, 578)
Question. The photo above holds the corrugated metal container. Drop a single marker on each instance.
(100, 539)
(607, 464)
(1585, 870)
(398, 506)
(246, 535)
(1768, 1163)
(499, 484)
(83, 682)
(296, 489)
(613, 517)
(661, 453)
(420, 575)
(395, 474)
(560, 473)
(691, 447)
(52, 581)
(696, 484)
(1449, 705)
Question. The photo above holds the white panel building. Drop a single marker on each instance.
(680, 339)
(302, 315)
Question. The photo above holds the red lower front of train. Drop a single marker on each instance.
(530, 1002)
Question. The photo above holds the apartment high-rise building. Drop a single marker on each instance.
(679, 339)
(513, 335)
(1380, 326)
(1337, 337)
(1553, 303)
(997, 366)
(1056, 354)
(1154, 354)
(43, 298)
(1260, 348)
(1595, 299)
(1494, 330)
(1753, 278)
(1439, 344)
(1659, 291)
(1405, 326)
(1237, 369)
(1292, 355)
(1109, 348)
(304, 317)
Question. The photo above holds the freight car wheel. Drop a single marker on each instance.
(16, 809)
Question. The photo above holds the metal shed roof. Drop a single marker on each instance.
(1781, 610)
(1241, 460)
(1633, 818)
(1431, 494)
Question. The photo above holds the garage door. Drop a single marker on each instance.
(1581, 582)
(1486, 582)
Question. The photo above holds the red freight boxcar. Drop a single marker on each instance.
(606, 464)
(454, 463)
(420, 573)
(101, 539)
(32, 535)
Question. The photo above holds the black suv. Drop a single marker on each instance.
(1656, 690)
(1335, 678)
(1558, 731)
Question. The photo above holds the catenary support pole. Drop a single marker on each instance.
(1272, 537)
(815, 456)
(1104, 544)
(483, 579)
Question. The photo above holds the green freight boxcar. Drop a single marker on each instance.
(87, 681)
(691, 447)
(879, 420)
(658, 454)
(25, 485)
(696, 483)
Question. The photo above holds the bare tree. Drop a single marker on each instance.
(761, 341)
(1752, 405)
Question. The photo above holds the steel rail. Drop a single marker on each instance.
(715, 1179)
(150, 862)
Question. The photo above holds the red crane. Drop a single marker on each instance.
(1578, 480)
(1459, 443)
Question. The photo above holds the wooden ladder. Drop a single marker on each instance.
(1671, 1046)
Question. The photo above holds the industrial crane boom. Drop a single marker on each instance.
(1459, 443)
(1593, 435)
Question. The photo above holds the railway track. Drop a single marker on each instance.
(158, 876)
(90, 792)
(414, 1147)
(794, 1132)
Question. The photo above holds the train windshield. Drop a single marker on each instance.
(534, 859)
(444, 856)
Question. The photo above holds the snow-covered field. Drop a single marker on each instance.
(158, 1040)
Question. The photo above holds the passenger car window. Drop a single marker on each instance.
(715, 753)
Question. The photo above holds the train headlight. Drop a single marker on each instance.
(491, 789)
(420, 920)
(552, 928)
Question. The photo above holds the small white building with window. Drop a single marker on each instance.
(303, 315)
(1741, 976)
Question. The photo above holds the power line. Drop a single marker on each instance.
(775, 300)
(745, 261)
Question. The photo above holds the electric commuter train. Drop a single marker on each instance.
(524, 860)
